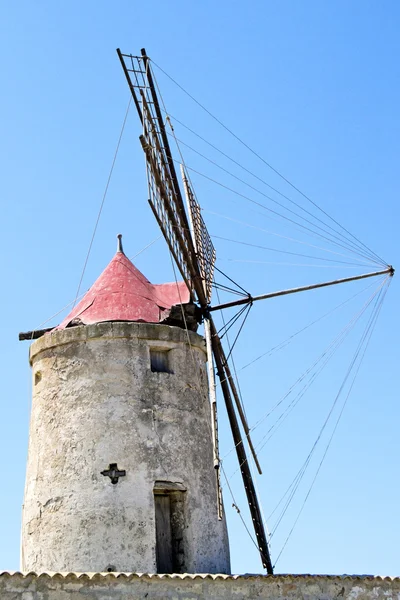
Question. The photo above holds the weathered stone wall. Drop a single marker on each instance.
(96, 401)
(207, 587)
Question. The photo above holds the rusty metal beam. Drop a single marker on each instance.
(252, 499)
(251, 299)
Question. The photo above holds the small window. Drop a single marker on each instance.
(159, 361)
(38, 377)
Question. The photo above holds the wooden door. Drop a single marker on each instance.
(163, 533)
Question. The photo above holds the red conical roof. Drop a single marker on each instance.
(122, 293)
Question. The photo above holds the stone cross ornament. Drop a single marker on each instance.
(113, 473)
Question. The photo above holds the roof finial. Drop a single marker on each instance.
(120, 248)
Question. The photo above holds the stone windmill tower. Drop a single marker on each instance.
(120, 473)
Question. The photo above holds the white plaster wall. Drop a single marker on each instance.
(193, 587)
(95, 402)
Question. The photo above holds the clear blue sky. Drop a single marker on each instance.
(314, 88)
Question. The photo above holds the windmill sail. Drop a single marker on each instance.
(196, 267)
(165, 196)
(201, 238)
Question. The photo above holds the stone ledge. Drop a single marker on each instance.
(135, 586)
(115, 330)
(116, 575)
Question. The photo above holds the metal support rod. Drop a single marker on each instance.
(214, 416)
(240, 409)
(213, 396)
(249, 299)
(255, 512)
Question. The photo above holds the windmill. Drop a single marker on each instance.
(179, 218)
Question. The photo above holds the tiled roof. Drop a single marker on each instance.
(130, 576)
(122, 293)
